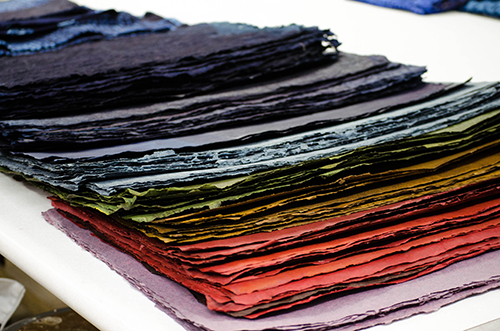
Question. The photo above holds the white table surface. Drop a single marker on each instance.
(454, 46)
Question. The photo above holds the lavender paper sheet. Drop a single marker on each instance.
(347, 313)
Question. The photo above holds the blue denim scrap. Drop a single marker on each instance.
(483, 7)
(419, 6)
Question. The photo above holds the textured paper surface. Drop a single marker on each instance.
(391, 253)
(155, 67)
(351, 79)
(355, 311)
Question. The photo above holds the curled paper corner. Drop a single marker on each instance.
(11, 294)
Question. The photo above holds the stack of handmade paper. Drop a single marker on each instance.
(262, 170)
(393, 202)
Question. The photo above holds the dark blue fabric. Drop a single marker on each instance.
(419, 6)
(76, 25)
(483, 7)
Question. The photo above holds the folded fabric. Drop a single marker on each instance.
(483, 7)
(73, 26)
(419, 6)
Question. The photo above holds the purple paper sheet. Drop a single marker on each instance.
(347, 313)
